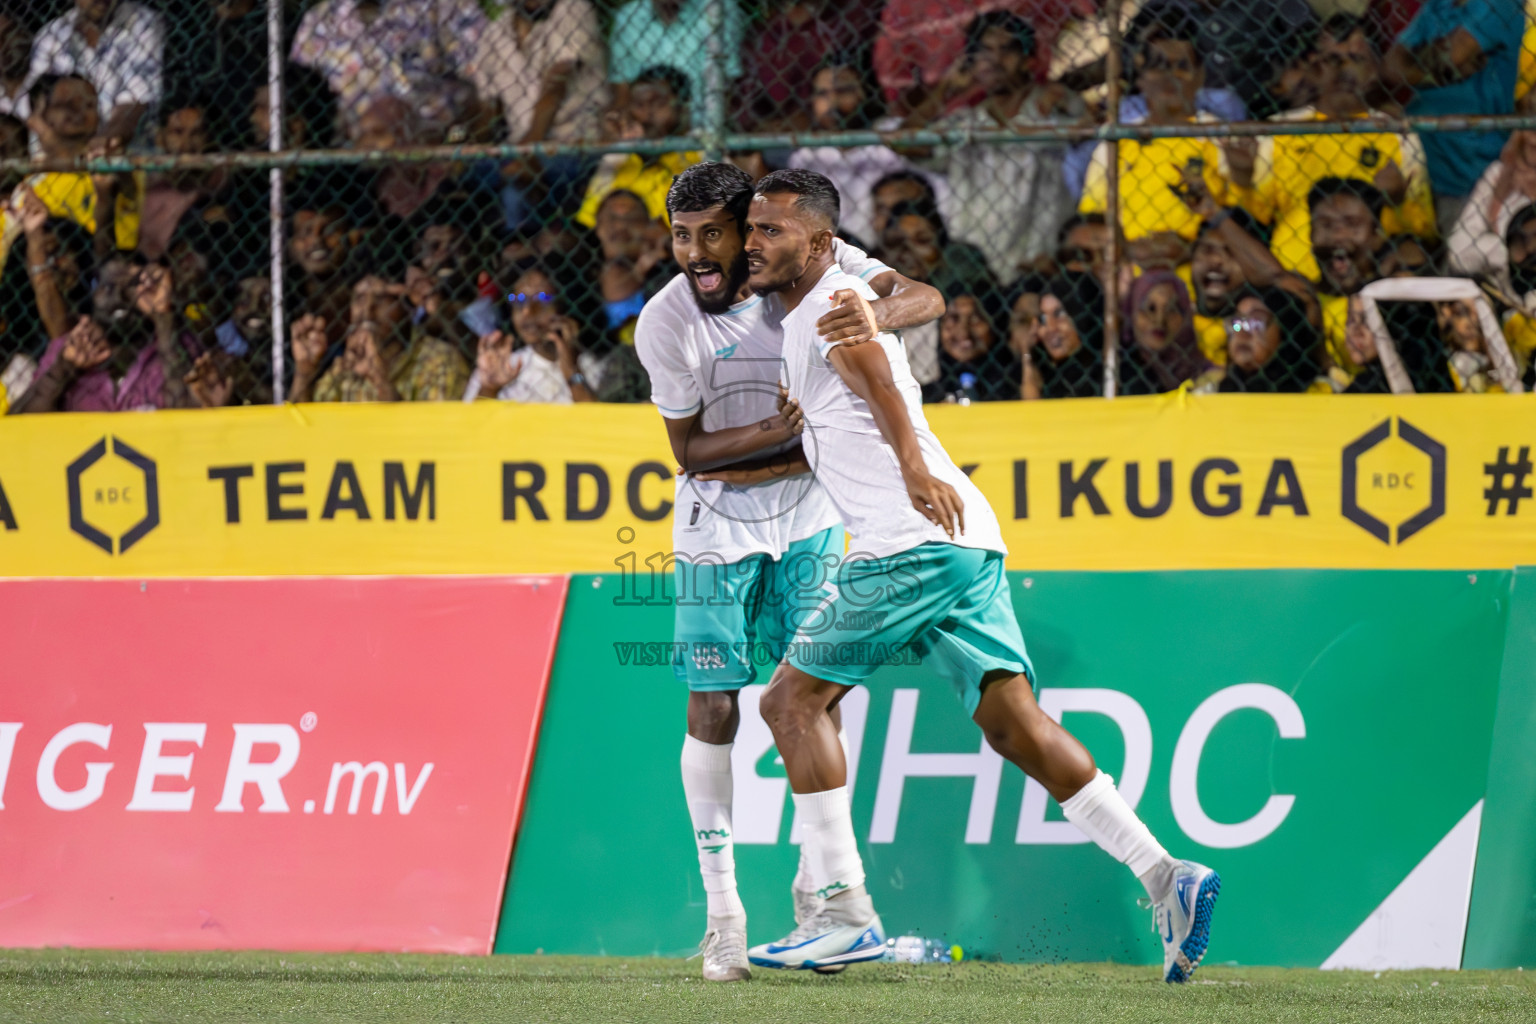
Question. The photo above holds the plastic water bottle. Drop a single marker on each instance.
(967, 388)
(914, 949)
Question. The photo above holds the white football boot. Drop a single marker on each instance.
(725, 954)
(828, 938)
(1183, 919)
(807, 906)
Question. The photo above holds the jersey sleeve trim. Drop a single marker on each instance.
(677, 414)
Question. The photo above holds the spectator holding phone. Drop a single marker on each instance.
(550, 356)
(1162, 179)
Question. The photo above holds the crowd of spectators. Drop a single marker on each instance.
(1249, 263)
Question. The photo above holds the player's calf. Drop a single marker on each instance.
(1183, 893)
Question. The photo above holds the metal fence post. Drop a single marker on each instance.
(1112, 72)
(713, 128)
(275, 144)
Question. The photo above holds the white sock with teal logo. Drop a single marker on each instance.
(1102, 814)
(826, 836)
(707, 787)
(802, 882)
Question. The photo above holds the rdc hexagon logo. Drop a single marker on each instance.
(1389, 479)
(114, 495)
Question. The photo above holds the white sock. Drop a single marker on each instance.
(707, 786)
(826, 824)
(1104, 816)
(803, 881)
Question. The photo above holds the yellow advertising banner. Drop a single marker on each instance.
(1173, 482)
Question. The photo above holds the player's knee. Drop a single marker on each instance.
(1006, 739)
(787, 707)
(712, 715)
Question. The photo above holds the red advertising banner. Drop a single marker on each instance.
(321, 764)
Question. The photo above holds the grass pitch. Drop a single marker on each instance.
(71, 985)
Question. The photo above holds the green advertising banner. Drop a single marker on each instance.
(1502, 929)
(1320, 737)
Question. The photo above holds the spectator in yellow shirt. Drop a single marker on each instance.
(1351, 250)
(1273, 180)
(1229, 257)
(65, 121)
(1155, 175)
(658, 108)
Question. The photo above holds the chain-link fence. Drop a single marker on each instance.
(245, 201)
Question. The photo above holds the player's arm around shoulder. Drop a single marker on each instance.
(899, 302)
(867, 371)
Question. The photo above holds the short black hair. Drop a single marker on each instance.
(897, 177)
(42, 89)
(307, 94)
(347, 191)
(1328, 188)
(183, 98)
(708, 185)
(1021, 31)
(1341, 26)
(817, 193)
(1172, 25)
(858, 61)
(1522, 217)
(469, 214)
(927, 210)
(666, 73)
(627, 194)
(1079, 220)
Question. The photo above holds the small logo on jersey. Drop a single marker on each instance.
(1370, 156)
(693, 520)
(862, 619)
(727, 352)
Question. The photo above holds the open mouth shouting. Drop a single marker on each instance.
(708, 278)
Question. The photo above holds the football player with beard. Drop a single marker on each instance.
(762, 534)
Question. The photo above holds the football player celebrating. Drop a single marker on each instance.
(755, 539)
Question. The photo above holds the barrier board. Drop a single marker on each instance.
(1174, 482)
(319, 764)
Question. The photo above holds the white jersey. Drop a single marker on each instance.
(728, 366)
(848, 454)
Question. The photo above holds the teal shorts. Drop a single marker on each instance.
(945, 605)
(735, 618)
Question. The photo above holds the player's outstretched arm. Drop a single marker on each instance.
(867, 372)
(696, 448)
(903, 303)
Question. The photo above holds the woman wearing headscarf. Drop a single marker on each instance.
(975, 362)
(1160, 350)
(1023, 299)
(1067, 358)
(1416, 338)
(1271, 344)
